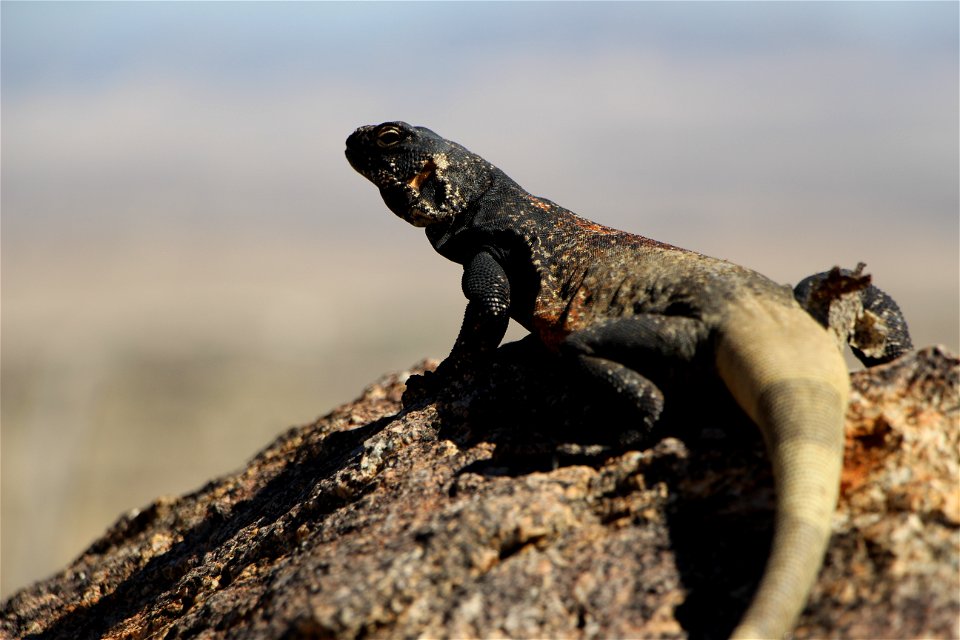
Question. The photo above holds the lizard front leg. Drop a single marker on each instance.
(627, 355)
(487, 289)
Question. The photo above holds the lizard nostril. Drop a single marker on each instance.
(356, 139)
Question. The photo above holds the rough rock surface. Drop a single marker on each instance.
(515, 506)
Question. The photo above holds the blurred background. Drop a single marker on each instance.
(189, 265)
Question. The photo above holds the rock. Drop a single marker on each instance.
(511, 506)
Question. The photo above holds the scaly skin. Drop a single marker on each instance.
(631, 312)
(857, 313)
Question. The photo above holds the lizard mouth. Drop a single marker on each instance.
(417, 180)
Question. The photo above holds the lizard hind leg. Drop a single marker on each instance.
(637, 392)
(631, 357)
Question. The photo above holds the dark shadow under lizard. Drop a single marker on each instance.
(541, 415)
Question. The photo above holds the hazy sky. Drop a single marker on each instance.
(655, 116)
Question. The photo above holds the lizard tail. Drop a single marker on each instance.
(785, 372)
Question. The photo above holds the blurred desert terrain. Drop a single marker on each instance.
(189, 266)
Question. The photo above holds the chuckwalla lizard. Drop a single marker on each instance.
(628, 310)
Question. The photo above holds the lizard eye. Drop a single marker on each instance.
(388, 137)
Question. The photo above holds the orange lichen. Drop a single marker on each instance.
(867, 447)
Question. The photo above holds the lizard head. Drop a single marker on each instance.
(422, 177)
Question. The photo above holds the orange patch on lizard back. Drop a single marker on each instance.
(578, 312)
(594, 227)
(537, 202)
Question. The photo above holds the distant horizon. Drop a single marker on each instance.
(203, 114)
